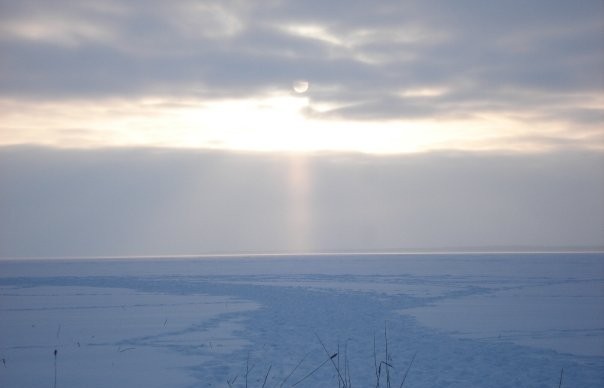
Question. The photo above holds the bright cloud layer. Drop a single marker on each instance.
(383, 78)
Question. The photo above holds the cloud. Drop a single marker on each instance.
(547, 44)
(538, 64)
(386, 76)
(137, 201)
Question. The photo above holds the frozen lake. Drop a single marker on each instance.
(470, 320)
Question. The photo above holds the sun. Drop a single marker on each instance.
(300, 86)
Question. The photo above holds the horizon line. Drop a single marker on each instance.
(292, 254)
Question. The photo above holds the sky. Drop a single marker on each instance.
(192, 127)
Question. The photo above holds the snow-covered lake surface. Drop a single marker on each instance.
(505, 320)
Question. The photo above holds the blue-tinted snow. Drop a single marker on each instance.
(474, 320)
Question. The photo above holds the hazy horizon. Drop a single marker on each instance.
(161, 202)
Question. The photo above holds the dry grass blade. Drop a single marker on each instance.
(561, 374)
(342, 367)
(314, 370)
(332, 362)
(339, 383)
(55, 384)
(266, 376)
(375, 363)
(407, 371)
(347, 366)
(293, 370)
(231, 382)
(387, 359)
(247, 368)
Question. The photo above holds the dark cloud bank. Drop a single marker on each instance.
(163, 202)
(502, 56)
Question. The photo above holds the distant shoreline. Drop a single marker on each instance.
(244, 255)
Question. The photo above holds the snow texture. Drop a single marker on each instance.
(470, 321)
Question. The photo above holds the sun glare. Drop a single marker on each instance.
(274, 122)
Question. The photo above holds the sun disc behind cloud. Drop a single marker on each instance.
(300, 86)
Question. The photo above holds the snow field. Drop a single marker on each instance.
(494, 321)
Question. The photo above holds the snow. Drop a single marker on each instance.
(567, 317)
(101, 333)
(470, 320)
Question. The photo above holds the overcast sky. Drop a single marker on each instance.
(153, 127)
